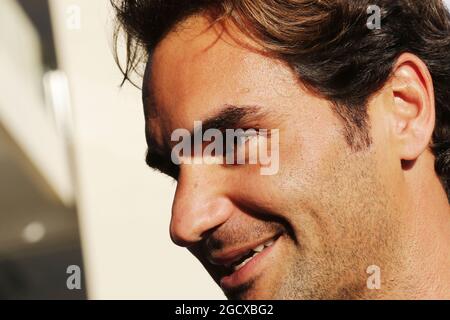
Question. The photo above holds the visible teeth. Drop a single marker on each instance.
(243, 263)
(269, 243)
(239, 266)
(259, 248)
(256, 251)
(264, 245)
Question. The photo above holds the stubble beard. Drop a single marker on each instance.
(362, 229)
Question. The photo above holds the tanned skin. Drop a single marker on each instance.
(333, 211)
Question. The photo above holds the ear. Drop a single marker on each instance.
(413, 107)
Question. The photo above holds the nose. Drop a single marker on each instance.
(199, 205)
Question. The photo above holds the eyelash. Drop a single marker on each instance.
(164, 166)
(172, 170)
(246, 137)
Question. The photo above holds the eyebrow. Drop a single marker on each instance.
(234, 117)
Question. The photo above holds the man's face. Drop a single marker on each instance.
(324, 217)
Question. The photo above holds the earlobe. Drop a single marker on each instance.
(413, 106)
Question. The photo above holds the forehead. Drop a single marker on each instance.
(196, 69)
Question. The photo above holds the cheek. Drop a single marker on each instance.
(307, 158)
(299, 192)
(316, 185)
(386, 163)
(308, 151)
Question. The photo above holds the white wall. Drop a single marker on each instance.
(124, 206)
(22, 107)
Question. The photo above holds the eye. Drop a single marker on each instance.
(171, 170)
(240, 146)
(163, 165)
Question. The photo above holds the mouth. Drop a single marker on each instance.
(244, 264)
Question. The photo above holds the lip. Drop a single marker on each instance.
(233, 255)
(254, 267)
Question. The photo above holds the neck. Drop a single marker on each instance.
(426, 273)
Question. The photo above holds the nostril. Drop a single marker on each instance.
(212, 243)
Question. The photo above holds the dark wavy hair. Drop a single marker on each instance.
(326, 42)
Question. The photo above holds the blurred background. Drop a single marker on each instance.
(74, 187)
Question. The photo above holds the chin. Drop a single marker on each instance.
(250, 292)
